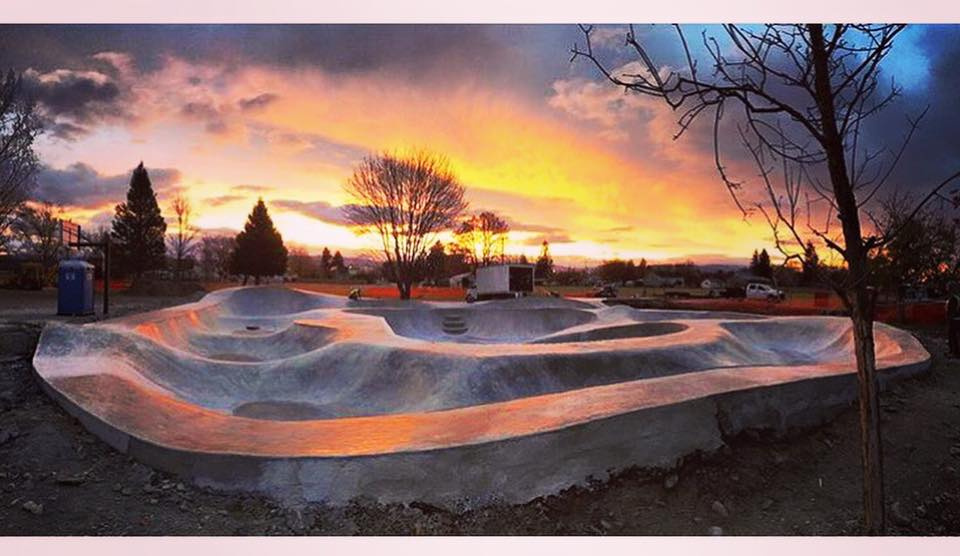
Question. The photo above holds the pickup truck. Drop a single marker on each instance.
(763, 291)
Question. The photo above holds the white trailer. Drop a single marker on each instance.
(502, 280)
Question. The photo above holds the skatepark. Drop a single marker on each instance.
(312, 397)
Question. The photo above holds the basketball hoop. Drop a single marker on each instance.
(69, 232)
(72, 236)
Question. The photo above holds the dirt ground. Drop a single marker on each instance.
(27, 306)
(57, 479)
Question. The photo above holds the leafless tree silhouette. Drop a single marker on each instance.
(215, 256)
(407, 201)
(183, 241)
(798, 96)
(20, 125)
(37, 232)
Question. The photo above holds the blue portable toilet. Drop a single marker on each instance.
(75, 288)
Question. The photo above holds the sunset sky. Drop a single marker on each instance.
(229, 113)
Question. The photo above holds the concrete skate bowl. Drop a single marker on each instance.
(480, 326)
(303, 396)
(248, 325)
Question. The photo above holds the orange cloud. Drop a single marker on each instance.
(583, 159)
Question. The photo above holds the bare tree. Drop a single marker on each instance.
(216, 253)
(300, 263)
(20, 125)
(799, 95)
(483, 238)
(407, 201)
(924, 253)
(182, 242)
(36, 232)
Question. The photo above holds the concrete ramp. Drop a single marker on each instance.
(482, 324)
(313, 397)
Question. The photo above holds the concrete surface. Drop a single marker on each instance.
(312, 397)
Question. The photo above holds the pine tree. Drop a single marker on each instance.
(811, 265)
(326, 263)
(544, 268)
(436, 262)
(260, 250)
(337, 264)
(139, 228)
(764, 268)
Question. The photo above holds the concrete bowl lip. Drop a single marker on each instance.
(114, 397)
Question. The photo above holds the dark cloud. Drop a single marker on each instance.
(318, 210)
(90, 60)
(440, 50)
(257, 102)
(80, 95)
(933, 153)
(65, 130)
(81, 185)
(70, 102)
(213, 121)
(203, 110)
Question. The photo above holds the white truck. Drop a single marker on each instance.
(501, 281)
(762, 291)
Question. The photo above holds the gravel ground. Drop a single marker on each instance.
(57, 479)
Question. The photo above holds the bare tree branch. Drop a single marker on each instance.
(407, 201)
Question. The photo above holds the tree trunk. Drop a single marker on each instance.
(871, 447)
(404, 288)
(861, 298)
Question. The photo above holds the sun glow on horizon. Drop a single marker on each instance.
(552, 174)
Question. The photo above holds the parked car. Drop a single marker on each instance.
(763, 291)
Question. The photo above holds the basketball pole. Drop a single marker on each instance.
(106, 276)
(104, 247)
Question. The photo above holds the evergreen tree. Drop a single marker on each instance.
(544, 268)
(436, 262)
(326, 263)
(754, 262)
(138, 227)
(337, 264)
(764, 268)
(811, 265)
(260, 250)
